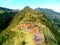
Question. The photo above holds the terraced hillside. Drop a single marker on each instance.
(29, 27)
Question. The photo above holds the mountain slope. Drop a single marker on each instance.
(54, 17)
(5, 17)
(29, 27)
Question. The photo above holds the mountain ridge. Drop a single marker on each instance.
(28, 15)
(23, 22)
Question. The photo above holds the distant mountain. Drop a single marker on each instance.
(30, 27)
(52, 15)
(6, 16)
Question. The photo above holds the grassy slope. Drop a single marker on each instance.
(55, 18)
(29, 15)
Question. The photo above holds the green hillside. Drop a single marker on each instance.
(54, 17)
(30, 27)
(5, 17)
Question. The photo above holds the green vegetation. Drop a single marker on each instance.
(13, 36)
(19, 37)
(6, 16)
(54, 17)
(49, 37)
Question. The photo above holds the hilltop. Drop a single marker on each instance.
(30, 27)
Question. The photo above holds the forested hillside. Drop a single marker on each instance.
(6, 16)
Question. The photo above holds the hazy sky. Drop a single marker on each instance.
(20, 4)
